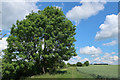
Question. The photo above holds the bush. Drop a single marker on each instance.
(86, 63)
(79, 64)
(73, 64)
(62, 65)
(68, 64)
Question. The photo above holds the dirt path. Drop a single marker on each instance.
(74, 72)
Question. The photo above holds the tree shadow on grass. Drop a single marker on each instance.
(61, 72)
(58, 72)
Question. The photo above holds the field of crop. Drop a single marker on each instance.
(100, 71)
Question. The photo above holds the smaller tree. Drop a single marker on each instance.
(73, 64)
(68, 64)
(62, 65)
(86, 63)
(79, 64)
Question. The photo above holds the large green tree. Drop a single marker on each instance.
(38, 43)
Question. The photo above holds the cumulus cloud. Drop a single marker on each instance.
(19, 0)
(3, 44)
(110, 58)
(61, 6)
(109, 29)
(106, 58)
(110, 43)
(85, 59)
(87, 9)
(58, 7)
(90, 50)
(76, 59)
(15, 10)
(113, 53)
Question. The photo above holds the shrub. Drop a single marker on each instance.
(62, 65)
(79, 64)
(86, 63)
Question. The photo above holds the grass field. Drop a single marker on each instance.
(92, 71)
(100, 71)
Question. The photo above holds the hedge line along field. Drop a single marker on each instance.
(100, 71)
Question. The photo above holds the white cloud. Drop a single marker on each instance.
(85, 59)
(90, 50)
(15, 10)
(109, 29)
(103, 1)
(110, 43)
(77, 57)
(115, 58)
(20, 0)
(3, 44)
(106, 58)
(97, 59)
(113, 53)
(86, 10)
(74, 60)
(109, 58)
(62, 4)
(58, 7)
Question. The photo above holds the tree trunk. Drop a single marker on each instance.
(43, 70)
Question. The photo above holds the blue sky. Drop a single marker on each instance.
(98, 45)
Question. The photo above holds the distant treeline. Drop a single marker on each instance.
(100, 64)
(79, 64)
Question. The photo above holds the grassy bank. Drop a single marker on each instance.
(70, 72)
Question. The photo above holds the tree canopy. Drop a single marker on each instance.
(86, 63)
(79, 64)
(38, 43)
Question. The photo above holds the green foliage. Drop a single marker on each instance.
(71, 64)
(68, 64)
(62, 65)
(79, 64)
(26, 55)
(86, 63)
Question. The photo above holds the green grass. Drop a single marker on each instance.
(70, 72)
(92, 71)
(100, 71)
